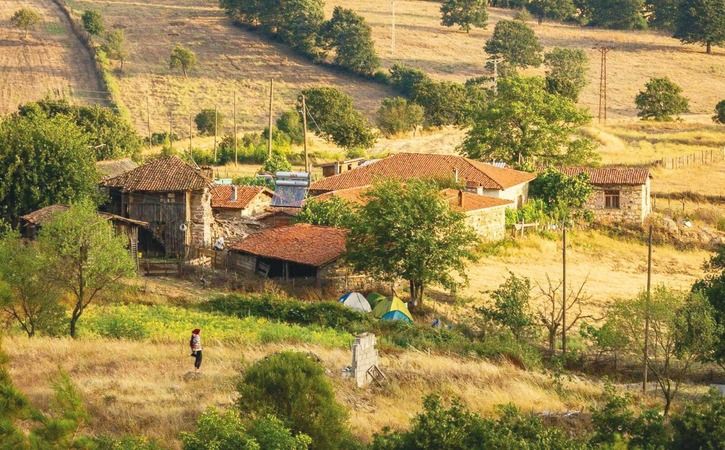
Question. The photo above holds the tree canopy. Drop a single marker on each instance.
(114, 46)
(552, 9)
(719, 116)
(25, 19)
(92, 22)
(565, 197)
(660, 100)
(335, 118)
(464, 13)
(332, 212)
(351, 37)
(397, 115)
(516, 44)
(701, 22)
(617, 14)
(525, 124)
(566, 72)
(182, 58)
(408, 231)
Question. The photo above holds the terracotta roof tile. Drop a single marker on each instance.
(405, 166)
(608, 176)
(113, 168)
(300, 243)
(471, 202)
(43, 215)
(168, 174)
(221, 196)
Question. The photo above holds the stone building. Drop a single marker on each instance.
(620, 194)
(231, 201)
(478, 177)
(338, 167)
(173, 197)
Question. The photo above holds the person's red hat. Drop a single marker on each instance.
(196, 331)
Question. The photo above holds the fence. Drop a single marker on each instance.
(699, 158)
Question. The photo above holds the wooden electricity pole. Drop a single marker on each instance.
(603, 50)
(304, 133)
(646, 312)
(269, 140)
(171, 131)
(148, 119)
(392, 31)
(216, 129)
(563, 292)
(191, 154)
(234, 113)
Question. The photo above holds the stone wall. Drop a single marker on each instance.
(517, 194)
(634, 204)
(364, 356)
(489, 223)
(202, 218)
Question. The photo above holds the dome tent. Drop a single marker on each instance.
(356, 301)
(392, 309)
(374, 298)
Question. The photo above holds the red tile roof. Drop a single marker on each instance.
(43, 215)
(608, 176)
(471, 202)
(113, 168)
(221, 196)
(352, 195)
(404, 166)
(168, 174)
(300, 243)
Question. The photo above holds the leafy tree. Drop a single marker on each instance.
(608, 338)
(701, 22)
(516, 44)
(336, 119)
(276, 162)
(566, 73)
(110, 135)
(565, 196)
(525, 123)
(464, 13)
(332, 212)
(351, 38)
(444, 102)
(25, 19)
(88, 259)
(13, 407)
(182, 58)
(29, 300)
(660, 100)
(407, 80)
(92, 22)
(44, 161)
(617, 14)
(409, 232)
(295, 22)
(293, 387)
(209, 121)
(115, 46)
(713, 288)
(662, 14)
(291, 124)
(552, 9)
(510, 307)
(221, 430)
(700, 425)
(396, 116)
(719, 116)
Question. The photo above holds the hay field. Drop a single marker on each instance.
(229, 59)
(144, 388)
(447, 53)
(51, 61)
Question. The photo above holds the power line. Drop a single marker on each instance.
(603, 50)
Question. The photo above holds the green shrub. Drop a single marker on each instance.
(660, 100)
(396, 116)
(92, 22)
(209, 121)
(118, 326)
(700, 425)
(719, 116)
(276, 163)
(290, 123)
(125, 443)
(293, 387)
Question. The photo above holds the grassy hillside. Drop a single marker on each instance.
(229, 59)
(450, 54)
(51, 61)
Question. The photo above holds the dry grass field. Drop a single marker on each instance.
(142, 387)
(447, 53)
(229, 59)
(51, 61)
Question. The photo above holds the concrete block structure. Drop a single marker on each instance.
(364, 357)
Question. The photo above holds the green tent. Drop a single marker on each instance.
(392, 309)
(375, 297)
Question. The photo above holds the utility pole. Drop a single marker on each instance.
(171, 131)
(234, 113)
(646, 312)
(304, 133)
(563, 292)
(603, 50)
(392, 41)
(191, 154)
(148, 119)
(495, 76)
(216, 129)
(269, 140)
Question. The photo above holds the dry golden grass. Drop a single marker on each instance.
(51, 61)
(447, 53)
(229, 59)
(143, 388)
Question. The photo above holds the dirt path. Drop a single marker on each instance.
(51, 61)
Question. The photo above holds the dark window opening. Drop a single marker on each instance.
(611, 199)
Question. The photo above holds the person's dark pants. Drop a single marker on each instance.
(197, 359)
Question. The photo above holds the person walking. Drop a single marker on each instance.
(195, 344)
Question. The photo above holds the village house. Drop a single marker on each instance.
(231, 201)
(301, 252)
(477, 177)
(620, 194)
(173, 197)
(338, 167)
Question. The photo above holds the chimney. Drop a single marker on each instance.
(207, 172)
(455, 174)
(460, 198)
(234, 193)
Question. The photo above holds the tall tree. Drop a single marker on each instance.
(409, 232)
(662, 14)
(552, 9)
(25, 19)
(712, 286)
(92, 22)
(617, 14)
(89, 260)
(565, 197)
(351, 38)
(701, 22)
(332, 212)
(525, 124)
(660, 100)
(298, 22)
(511, 305)
(337, 119)
(397, 115)
(719, 116)
(115, 46)
(515, 43)
(43, 161)
(464, 13)
(182, 58)
(566, 72)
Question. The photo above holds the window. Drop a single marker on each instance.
(611, 199)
